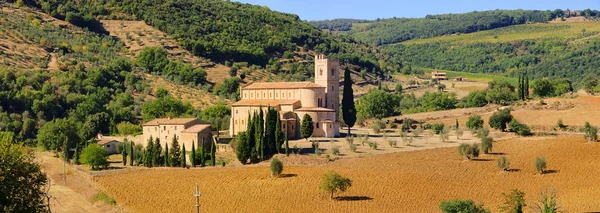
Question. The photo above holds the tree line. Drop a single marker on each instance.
(263, 137)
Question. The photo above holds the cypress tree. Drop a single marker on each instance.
(131, 154)
(250, 134)
(202, 160)
(183, 162)
(157, 160)
(526, 86)
(149, 154)
(307, 127)
(193, 157)
(167, 159)
(348, 108)
(520, 86)
(243, 151)
(175, 153)
(287, 146)
(213, 152)
(66, 150)
(76, 157)
(123, 153)
(456, 123)
(278, 133)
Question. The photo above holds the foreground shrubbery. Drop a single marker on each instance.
(462, 206)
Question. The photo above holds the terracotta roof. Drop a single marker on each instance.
(106, 141)
(196, 128)
(283, 85)
(167, 121)
(264, 103)
(315, 109)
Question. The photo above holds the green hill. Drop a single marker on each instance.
(555, 50)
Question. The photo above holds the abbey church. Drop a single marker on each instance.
(293, 100)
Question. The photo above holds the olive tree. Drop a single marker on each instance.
(333, 182)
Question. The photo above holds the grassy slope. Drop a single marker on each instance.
(572, 31)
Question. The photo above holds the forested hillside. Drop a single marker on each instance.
(394, 30)
(337, 24)
(557, 50)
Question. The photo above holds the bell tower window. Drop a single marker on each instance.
(332, 72)
(321, 72)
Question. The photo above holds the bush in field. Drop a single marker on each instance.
(276, 167)
(486, 144)
(591, 132)
(483, 132)
(373, 145)
(500, 119)
(462, 206)
(353, 147)
(503, 163)
(468, 151)
(560, 125)
(333, 182)
(335, 151)
(378, 126)
(437, 128)
(95, 156)
(513, 202)
(392, 143)
(475, 122)
(540, 164)
(519, 128)
(444, 134)
(459, 133)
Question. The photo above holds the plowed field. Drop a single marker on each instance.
(399, 182)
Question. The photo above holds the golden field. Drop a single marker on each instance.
(399, 182)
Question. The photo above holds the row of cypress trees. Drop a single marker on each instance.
(523, 86)
(154, 155)
(263, 137)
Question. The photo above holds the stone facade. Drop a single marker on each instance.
(293, 100)
(187, 131)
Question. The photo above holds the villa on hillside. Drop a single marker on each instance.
(293, 100)
(439, 75)
(187, 131)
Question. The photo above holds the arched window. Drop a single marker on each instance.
(321, 72)
(332, 71)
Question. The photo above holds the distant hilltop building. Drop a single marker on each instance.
(187, 131)
(293, 100)
(439, 75)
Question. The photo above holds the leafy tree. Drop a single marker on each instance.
(243, 148)
(503, 163)
(228, 87)
(540, 164)
(462, 206)
(161, 107)
(332, 182)
(468, 151)
(513, 202)
(459, 133)
(378, 126)
(161, 93)
(519, 128)
(590, 82)
(378, 104)
(398, 88)
(486, 144)
(95, 156)
(542, 88)
(307, 127)
(127, 128)
(483, 132)
(590, 132)
(437, 127)
(153, 58)
(53, 134)
(276, 167)
(500, 119)
(475, 99)
(348, 108)
(175, 153)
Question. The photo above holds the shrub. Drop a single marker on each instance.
(437, 128)
(373, 145)
(475, 122)
(95, 156)
(333, 182)
(126, 128)
(462, 206)
(503, 163)
(406, 123)
(500, 119)
(315, 145)
(519, 128)
(418, 131)
(486, 144)
(392, 143)
(101, 196)
(444, 135)
(468, 151)
(483, 132)
(513, 202)
(540, 164)
(459, 133)
(353, 147)
(591, 132)
(335, 151)
(560, 125)
(276, 167)
(378, 126)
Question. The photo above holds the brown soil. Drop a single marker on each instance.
(400, 182)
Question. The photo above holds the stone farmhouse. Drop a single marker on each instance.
(187, 131)
(293, 100)
(439, 75)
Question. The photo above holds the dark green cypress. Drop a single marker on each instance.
(183, 162)
(131, 154)
(193, 157)
(287, 146)
(526, 86)
(202, 158)
(278, 133)
(167, 159)
(213, 153)
(123, 153)
(348, 108)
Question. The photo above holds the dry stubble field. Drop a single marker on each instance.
(398, 182)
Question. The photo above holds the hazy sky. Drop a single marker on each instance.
(372, 9)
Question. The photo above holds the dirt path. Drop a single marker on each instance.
(67, 200)
(52, 65)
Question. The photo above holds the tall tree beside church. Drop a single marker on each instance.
(183, 161)
(167, 157)
(307, 127)
(243, 148)
(287, 145)
(278, 133)
(193, 157)
(250, 130)
(175, 153)
(258, 134)
(157, 160)
(348, 108)
(213, 154)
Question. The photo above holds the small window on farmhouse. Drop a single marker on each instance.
(317, 125)
(283, 126)
(107, 145)
(164, 128)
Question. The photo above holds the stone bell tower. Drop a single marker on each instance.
(327, 73)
